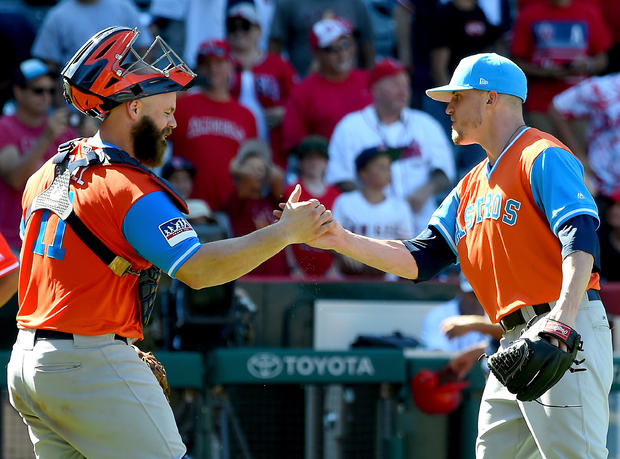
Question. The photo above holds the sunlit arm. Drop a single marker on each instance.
(222, 261)
(387, 255)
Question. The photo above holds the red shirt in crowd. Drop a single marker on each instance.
(313, 262)
(274, 79)
(14, 132)
(546, 34)
(317, 104)
(208, 134)
(8, 262)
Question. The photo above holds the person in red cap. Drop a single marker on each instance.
(335, 89)
(212, 125)
(426, 166)
(263, 80)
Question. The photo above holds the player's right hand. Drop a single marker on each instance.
(303, 221)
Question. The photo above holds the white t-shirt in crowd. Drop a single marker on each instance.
(424, 144)
(389, 219)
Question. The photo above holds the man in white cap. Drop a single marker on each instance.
(522, 225)
(321, 99)
(426, 165)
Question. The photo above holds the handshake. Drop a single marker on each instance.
(307, 222)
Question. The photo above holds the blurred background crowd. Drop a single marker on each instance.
(326, 93)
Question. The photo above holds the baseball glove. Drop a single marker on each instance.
(157, 368)
(531, 365)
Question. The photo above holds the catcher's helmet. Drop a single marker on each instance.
(106, 71)
(433, 395)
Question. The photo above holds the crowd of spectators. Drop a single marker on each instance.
(326, 93)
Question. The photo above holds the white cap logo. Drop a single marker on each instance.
(483, 81)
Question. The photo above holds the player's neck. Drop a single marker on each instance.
(111, 133)
(502, 134)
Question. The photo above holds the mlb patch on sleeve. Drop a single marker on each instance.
(176, 230)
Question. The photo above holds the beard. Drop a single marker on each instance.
(149, 143)
(460, 135)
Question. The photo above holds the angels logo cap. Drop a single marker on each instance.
(488, 72)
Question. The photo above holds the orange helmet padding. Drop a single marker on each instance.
(106, 71)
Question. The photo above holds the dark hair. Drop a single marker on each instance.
(312, 144)
(176, 163)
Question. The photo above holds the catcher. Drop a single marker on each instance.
(95, 221)
(522, 225)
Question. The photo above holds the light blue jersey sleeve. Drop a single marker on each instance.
(558, 187)
(159, 232)
(444, 220)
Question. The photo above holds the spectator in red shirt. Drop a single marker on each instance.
(557, 43)
(264, 80)
(258, 191)
(8, 272)
(211, 125)
(312, 157)
(27, 139)
(320, 100)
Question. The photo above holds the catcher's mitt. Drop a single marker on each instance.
(157, 368)
(531, 365)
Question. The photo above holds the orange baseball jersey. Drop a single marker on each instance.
(63, 284)
(502, 222)
(8, 262)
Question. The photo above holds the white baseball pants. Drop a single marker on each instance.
(90, 397)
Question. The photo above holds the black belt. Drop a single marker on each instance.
(514, 319)
(55, 334)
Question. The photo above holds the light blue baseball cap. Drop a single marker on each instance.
(33, 68)
(488, 72)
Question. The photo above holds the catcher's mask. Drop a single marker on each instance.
(436, 392)
(107, 71)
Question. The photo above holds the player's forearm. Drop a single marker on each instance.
(386, 255)
(576, 270)
(222, 261)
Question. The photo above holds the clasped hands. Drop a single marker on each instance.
(307, 222)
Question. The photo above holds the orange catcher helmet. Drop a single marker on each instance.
(106, 71)
(436, 392)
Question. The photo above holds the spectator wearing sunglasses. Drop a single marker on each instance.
(263, 80)
(28, 137)
(335, 89)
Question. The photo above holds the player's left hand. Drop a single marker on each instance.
(560, 315)
(531, 365)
